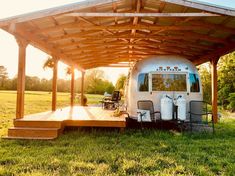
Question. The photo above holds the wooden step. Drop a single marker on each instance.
(24, 132)
(37, 124)
(29, 138)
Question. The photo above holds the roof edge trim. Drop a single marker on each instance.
(52, 11)
(203, 6)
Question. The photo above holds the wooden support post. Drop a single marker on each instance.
(214, 88)
(82, 89)
(54, 84)
(21, 77)
(72, 87)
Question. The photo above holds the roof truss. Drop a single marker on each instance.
(105, 32)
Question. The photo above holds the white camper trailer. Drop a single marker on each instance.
(159, 77)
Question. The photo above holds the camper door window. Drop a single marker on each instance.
(194, 83)
(143, 82)
(169, 82)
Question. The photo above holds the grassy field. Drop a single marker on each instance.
(105, 152)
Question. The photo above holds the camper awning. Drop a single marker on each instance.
(97, 33)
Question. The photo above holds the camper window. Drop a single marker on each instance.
(194, 83)
(143, 82)
(169, 82)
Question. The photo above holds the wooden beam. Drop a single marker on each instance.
(144, 43)
(214, 86)
(92, 23)
(73, 24)
(185, 36)
(121, 57)
(82, 88)
(21, 77)
(72, 97)
(76, 44)
(120, 27)
(101, 60)
(53, 11)
(168, 15)
(123, 53)
(54, 84)
(113, 61)
(104, 65)
(136, 19)
(117, 65)
(114, 7)
(94, 48)
(160, 50)
(69, 36)
(106, 58)
(203, 6)
(189, 35)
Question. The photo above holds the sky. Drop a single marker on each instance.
(35, 58)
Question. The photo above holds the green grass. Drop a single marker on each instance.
(106, 152)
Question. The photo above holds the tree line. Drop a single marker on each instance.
(226, 81)
(95, 83)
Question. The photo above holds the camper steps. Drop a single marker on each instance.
(26, 132)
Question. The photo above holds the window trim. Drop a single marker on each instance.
(172, 72)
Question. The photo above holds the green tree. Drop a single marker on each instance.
(120, 82)
(95, 82)
(205, 75)
(231, 105)
(3, 76)
(226, 78)
(32, 83)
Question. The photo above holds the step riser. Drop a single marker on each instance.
(32, 133)
(30, 138)
(37, 124)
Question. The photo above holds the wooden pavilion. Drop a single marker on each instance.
(115, 33)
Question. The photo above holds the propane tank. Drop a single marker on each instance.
(166, 107)
(181, 103)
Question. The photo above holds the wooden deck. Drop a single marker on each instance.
(49, 125)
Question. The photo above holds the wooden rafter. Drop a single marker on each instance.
(121, 27)
(189, 35)
(168, 15)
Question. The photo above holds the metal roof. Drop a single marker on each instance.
(97, 33)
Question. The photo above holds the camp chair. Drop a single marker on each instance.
(199, 115)
(147, 105)
(113, 102)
